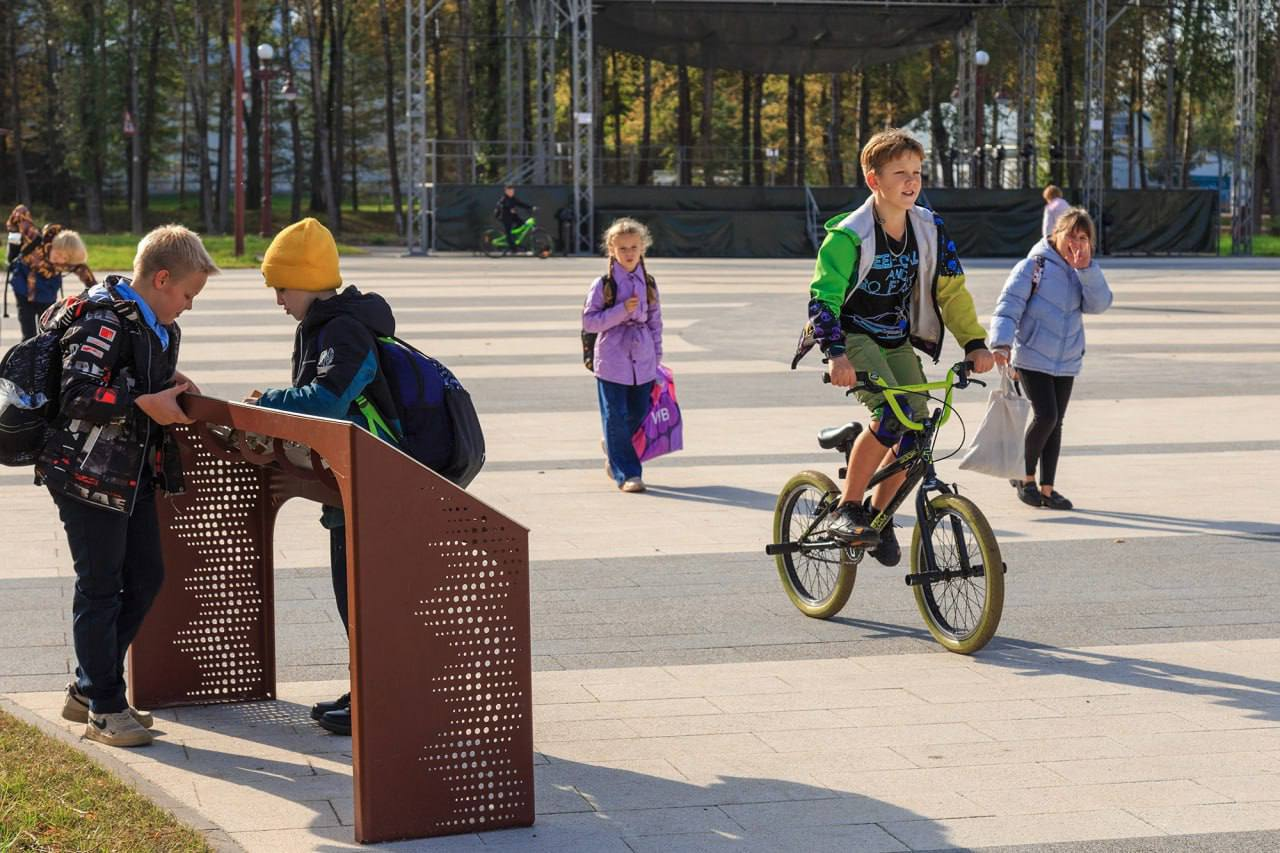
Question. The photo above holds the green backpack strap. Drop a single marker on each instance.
(377, 423)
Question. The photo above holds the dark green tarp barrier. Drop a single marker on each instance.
(769, 222)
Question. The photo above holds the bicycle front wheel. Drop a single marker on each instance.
(818, 581)
(963, 595)
(493, 242)
(541, 242)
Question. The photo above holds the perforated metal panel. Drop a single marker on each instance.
(441, 664)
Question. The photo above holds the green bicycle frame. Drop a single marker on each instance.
(518, 233)
(892, 393)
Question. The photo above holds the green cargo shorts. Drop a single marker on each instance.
(895, 365)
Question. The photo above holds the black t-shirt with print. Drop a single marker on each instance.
(878, 306)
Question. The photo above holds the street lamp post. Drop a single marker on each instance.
(239, 142)
(980, 59)
(266, 53)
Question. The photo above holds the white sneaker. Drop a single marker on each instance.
(634, 484)
(119, 729)
(75, 707)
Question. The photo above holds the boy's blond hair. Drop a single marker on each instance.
(888, 145)
(173, 248)
(1051, 192)
(72, 248)
(1073, 219)
(626, 225)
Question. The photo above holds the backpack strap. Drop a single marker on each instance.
(1036, 275)
(610, 288)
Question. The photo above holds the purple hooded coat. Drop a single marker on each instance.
(629, 346)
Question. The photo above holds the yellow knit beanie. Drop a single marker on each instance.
(302, 257)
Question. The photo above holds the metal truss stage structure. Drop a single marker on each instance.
(544, 23)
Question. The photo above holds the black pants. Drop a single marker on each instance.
(1049, 396)
(119, 570)
(29, 315)
(507, 226)
(338, 569)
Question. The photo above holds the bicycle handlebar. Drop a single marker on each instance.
(957, 377)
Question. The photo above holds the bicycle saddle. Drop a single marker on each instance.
(833, 437)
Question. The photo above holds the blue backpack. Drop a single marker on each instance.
(438, 424)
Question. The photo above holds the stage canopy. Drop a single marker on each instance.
(778, 37)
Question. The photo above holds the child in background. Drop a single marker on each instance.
(622, 309)
(37, 275)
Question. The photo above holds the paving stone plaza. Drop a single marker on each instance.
(1130, 701)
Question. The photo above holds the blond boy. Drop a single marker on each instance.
(108, 453)
(886, 283)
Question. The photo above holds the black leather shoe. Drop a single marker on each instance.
(1055, 501)
(1030, 495)
(850, 526)
(338, 722)
(319, 709)
(888, 552)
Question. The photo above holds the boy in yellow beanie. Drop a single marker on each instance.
(335, 361)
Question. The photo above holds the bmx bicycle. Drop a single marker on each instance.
(527, 236)
(957, 573)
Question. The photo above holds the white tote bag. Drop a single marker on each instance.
(997, 446)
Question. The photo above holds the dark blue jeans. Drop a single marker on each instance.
(622, 409)
(119, 570)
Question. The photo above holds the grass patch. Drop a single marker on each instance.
(109, 252)
(1264, 245)
(52, 797)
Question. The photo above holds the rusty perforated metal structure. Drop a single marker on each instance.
(442, 735)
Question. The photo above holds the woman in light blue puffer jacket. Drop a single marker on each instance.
(1038, 327)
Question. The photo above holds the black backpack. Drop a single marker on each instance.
(30, 380)
(439, 426)
(610, 299)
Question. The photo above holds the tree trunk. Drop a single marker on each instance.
(134, 141)
(336, 24)
(200, 114)
(253, 122)
(462, 104)
(389, 113)
(355, 147)
(182, 149)
(746, 128)
(1171, 97)
(226, 115)
(1138, 104)
(789, 169)
(708, 104)
(939, 139)
(835, 133)
(864, 118)
(802, 132)
(54, 106)
(148, 125)
(1070, 152)
(646, 124)
(319, 104)
(684, 124)
(295, 128)
(437, 92)
(757, 130)
(1271, 135)
(92, 122)
(616, 106)
(22, 191)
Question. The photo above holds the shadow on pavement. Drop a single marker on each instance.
(1253, 530)
(688, 802)
(718, 495)
(1258, 697)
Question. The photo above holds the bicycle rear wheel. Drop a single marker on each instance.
(962, 611)
(541, 242)
(493, 242)
(818, 582)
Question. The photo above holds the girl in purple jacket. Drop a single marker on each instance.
(622, 309)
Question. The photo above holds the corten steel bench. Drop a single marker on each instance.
(442, 735)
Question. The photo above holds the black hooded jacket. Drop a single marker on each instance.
(335, 359)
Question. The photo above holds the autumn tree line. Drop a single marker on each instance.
(91, 86)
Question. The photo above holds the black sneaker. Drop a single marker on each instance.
(1055, 501)
(338, 722)
(850, 526)
(319, 709)
(888, 552)
(1029, 494)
